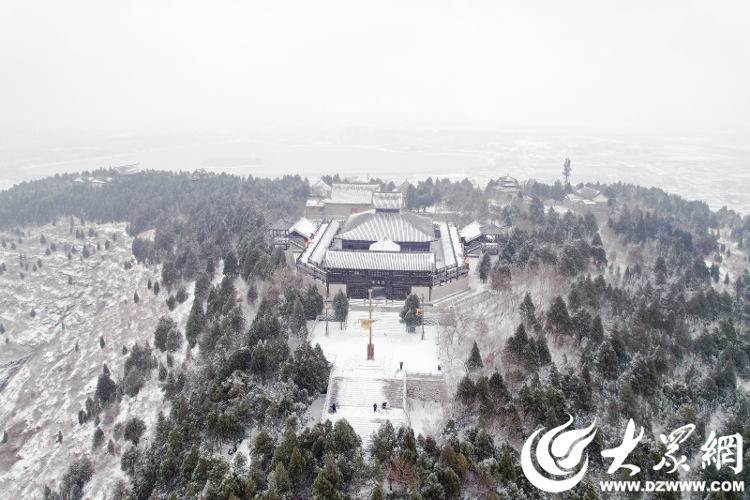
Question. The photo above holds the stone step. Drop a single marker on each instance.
(363, 392)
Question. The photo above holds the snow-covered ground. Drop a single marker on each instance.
(358, 384)
(44, 395)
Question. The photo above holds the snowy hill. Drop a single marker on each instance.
(51, 361)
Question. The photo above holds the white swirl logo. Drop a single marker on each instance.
(566, 452)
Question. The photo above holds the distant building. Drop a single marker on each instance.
(505, 187)
(200, 173)
(339, 201)
(128, 169)
(403, 187)
(320, 190)
(587, 196)
(94, 182)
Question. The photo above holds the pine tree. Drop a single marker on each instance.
(98, 438)
(195, 322)
(230, 264)
(528, 310)
(156, 288)
(475, 358)
(329, 482)
(506, 471)
(134, 429)
(279, 480)
(566, 170)
(485, 266)
(252, 293)
(377, 493)
(384, 442)
(296, 469)
(135, 297)
(297, 321)
(409, 315)
(340, 307)
(313, 302)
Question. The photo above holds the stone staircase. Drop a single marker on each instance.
(354, 397)
(364, 392)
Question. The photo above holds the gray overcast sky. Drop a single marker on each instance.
(667, 66)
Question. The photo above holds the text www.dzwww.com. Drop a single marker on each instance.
(672, 486)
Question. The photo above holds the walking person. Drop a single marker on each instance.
(375, 407)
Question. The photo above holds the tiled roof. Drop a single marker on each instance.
(390, 261)
(304, 227)
(387, 201)
(320, 189)
(129, 169)
(324, 241)
(403, 187)
(491, 230)
(371, 226)
(352, 194)
(385, 244)
(471, 232)
(588, 192)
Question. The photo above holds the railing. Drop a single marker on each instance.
(327, 404)
(449, 274)
(486, 246)
(314, 272)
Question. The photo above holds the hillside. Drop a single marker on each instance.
(51, 362)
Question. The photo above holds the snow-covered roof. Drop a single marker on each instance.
(387, 201)
(324, 241)
(315, 202)
(304, 228)
(352, 194)
(389, 261)
(600, 198)
(445, 240)
(129, 169)
(385, 244)
(471, 232)
(475, 230)
(199, 173)
(403, 187)
(399, 227)
(320, 189)
(491, 230)
(587, 192)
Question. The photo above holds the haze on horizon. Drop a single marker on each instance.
(635, 67)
